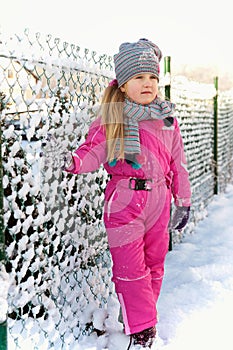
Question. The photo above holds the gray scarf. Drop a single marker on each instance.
(133, 114)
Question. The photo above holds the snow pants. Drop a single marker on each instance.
(137, 227)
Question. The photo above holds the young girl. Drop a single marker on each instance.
(138, 140)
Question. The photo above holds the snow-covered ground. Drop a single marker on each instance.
(196, 302)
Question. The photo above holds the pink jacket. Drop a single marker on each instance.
(162, 157)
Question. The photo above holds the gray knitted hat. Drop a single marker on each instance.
(136, 58)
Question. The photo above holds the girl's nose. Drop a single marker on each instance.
(147, 82)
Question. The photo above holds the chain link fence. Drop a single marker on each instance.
(57, 256)
(57, 265)
(206, 127)
(225, 140)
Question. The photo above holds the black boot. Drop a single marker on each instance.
(143, 339)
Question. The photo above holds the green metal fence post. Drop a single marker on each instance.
(167, 75)
(3, 326)
(216, 136)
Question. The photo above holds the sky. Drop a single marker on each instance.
(191, 32)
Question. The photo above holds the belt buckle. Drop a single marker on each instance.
(139, 184)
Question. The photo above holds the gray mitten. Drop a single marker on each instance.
(179, 218)
(55, 153)
(67, 160)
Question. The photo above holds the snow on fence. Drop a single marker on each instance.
(57, 268)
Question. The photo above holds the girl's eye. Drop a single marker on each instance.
(141, 77)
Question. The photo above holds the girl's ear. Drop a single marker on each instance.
(122, 88)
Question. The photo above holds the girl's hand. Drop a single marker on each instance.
(67, 161)
(179, 218)
(55, 154)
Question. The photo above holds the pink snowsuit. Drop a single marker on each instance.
(136, 221)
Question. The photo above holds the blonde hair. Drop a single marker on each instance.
(112, 118)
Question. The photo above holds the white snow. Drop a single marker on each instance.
(196, 302)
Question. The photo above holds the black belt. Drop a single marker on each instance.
(140, 184)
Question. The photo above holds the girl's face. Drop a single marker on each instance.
(143, 88)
